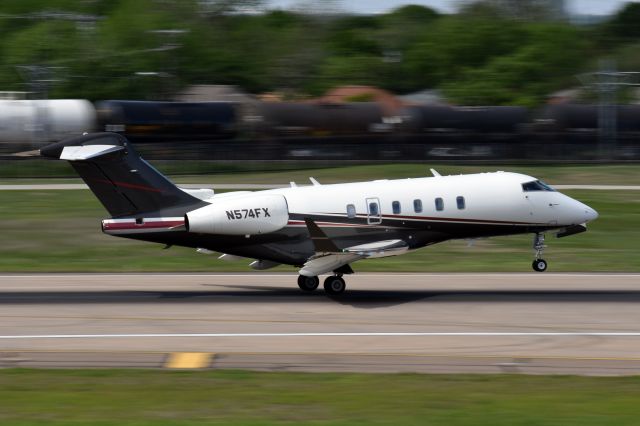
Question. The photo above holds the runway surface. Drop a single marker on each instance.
(532, 323)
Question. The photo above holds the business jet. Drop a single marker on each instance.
(320, 229)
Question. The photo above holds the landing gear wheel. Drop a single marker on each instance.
(539, 265)
(308, 284)
(334, 285)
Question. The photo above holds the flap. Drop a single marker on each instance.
(377, 246)
(322, 264)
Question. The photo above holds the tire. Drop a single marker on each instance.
(334, 285)
(308, 284)
(539, 265)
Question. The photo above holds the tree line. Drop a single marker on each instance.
(142, 49)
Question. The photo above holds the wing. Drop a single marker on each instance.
(329, 257)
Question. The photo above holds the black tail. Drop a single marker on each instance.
(123, 182)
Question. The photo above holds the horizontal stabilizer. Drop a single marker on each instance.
(79, 153)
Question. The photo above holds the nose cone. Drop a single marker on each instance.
(590, 214)
(583, 213)
(575, 212)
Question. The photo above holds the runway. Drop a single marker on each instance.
(532, 323)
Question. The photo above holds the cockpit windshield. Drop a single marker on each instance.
(536, 185)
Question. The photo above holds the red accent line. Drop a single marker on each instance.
(446, 219)
(453, 219)
(130, 185)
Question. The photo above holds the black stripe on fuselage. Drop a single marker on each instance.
(292, 244)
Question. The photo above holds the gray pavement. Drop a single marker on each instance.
(530, 323)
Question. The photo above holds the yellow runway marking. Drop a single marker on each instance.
(192, 360)
(346, 354)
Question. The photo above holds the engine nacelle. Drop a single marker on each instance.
(257, 214)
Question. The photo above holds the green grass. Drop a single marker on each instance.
(133, 397)
(588, 174)
(575, 174)
(51, 231)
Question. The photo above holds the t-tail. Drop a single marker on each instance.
(123, 182)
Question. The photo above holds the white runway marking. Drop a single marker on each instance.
(373, 334)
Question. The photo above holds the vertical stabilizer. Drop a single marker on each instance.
(123, 182)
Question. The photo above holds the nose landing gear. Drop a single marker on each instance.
(539, 264)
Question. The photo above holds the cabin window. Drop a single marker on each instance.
(373, 209)
(460, 203)
(536, 185)
(439, 204)
(351, 211)
(396, 207)
(417, 206)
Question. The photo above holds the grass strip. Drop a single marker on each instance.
(623, 174)
(59, 231)
(135, 397)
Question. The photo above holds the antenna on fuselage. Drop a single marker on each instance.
(314, 182)
(435, 173)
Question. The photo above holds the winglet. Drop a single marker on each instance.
(435, 173)
(321, 242)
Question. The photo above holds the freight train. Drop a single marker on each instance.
(37, 122)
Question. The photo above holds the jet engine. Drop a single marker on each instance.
(255, 214)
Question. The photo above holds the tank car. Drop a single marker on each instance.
(36, 122)
(168, 121)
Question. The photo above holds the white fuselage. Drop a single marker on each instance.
(273, 224)
(486, 198)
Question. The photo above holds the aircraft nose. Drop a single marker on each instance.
(590, 214)
(585, 213)
(580, 213)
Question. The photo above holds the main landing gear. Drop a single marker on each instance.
(308, 284)
(333, 284)
(539, 264)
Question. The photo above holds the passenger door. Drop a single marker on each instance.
(374, 215)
